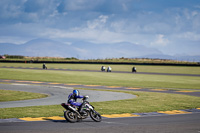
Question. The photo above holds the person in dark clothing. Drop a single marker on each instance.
(103, 68)
(72, 98)
(134, 69)
(44, 66)
(109, 69)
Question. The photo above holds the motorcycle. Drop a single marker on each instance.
(73, 115)
(103, 68)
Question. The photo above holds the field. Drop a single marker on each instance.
(8, 95)
(146, 102)
(127, 68)
(109, 79)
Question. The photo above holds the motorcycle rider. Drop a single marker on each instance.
(109, 69)
(72, 98)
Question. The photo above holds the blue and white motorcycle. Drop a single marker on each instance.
(72, 113)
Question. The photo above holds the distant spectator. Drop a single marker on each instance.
(44, 66)
(134, 69)
(103, 68)
(109, 69)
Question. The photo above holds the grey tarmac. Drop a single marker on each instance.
(151, 73)
(57, 95)
(187, 123)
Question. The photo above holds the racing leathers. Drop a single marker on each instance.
(72, 98)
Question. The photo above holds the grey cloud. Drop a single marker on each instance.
(103, 21)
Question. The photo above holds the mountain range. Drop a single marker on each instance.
(86, 50)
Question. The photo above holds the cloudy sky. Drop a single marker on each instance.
(171, 26)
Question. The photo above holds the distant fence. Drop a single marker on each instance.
(100, 62)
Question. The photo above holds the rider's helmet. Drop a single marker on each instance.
(76, 92)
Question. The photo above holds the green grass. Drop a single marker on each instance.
(8, 95)
(145, 102)
(100, 78)
(149, 102)
(127, 68)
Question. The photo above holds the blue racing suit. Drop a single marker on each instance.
(72, 99)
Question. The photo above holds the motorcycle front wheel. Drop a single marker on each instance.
(70, 116)
(95, 116)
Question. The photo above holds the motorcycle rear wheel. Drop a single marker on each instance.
(70, 116)
(95, 116)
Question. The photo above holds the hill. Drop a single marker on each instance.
(86, 50)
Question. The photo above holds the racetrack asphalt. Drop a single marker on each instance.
(190, 92)
(57, 95)
(187, 123)
(152, 73)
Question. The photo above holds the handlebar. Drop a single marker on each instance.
(85, 97)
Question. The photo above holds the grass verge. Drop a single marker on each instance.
(145, 102)
(102, 78)
(8, 95)
(126, 68)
